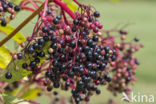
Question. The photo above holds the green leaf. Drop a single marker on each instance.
(7, 99)
(31, 94)
(71, 5)
(5, 57)
(16, 74)
(8, 29)
(20, 73)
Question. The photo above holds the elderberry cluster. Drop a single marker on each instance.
(76, 58)
(7, 7)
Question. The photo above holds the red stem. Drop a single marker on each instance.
(64, 16)
(45, 8)
(58, 2)
(77, 2)
(65, 8)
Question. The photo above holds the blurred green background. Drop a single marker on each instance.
(142, 13)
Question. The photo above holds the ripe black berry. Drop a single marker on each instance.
(49, 12)
(17, 8)
(32, 64)
(63, 67)
(107, 55)
(24, 65)
(45, 29)
(55, 63)
(57, 99)
(41, 41)
(56, 85)
(54, 39)
(49, 89)
(31, 50)
(96, 14)
(89, 42)
(56, 21)
(19, 55)
(107, 49)
(50, 32)
(73, 44)
(54, 46)
(53, 28)
(55, 93)
(58, 17)
(136, 39)
(48, 74)
(3, 22)
(84, 33)
(46, 38)
(107, 78)
(98, 91)
(113, 57)
(5, 7)
(37, 60)
(74, 29)
(35, 45)
(10, 5)
(71, 74)
(114, 51)
(98, 50)
(8, 75)
(76, 21)
(102, 65)
(95, 38)
(41, 54)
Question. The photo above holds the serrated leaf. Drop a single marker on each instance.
(5, 57)
(71, 5)
(8, 29)
(31, 94)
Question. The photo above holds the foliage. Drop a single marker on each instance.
(5, 57)
(19, 38)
